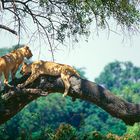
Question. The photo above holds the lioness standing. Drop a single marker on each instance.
(9, 63)
(49, 68)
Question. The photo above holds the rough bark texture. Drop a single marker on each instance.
(13, 100)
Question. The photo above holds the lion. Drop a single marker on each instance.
(49, 68)
(10, 62)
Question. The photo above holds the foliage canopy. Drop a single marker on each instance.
(57, 20)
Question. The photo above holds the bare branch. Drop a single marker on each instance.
(37, 21)
(8, 29)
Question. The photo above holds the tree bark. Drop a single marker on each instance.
(13, 100)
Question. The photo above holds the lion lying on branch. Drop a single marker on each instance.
(49, 68)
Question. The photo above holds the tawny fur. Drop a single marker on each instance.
(48, 68)
(10, 63)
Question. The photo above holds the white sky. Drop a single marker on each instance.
(100, 50)
(93, 55)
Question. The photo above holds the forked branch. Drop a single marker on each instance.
(8, 29)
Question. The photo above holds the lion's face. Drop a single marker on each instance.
(25, 69)
(27, 52)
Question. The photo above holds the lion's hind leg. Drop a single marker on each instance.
(65, 79)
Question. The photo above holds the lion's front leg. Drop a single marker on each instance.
(32, 77)
(6, 76)
(13, 72)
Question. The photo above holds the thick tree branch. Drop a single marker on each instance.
(14, 100)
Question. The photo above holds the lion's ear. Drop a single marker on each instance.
(26, 47)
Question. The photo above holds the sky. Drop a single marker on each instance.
(100, 50)
(93, 55)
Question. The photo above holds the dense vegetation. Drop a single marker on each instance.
(54, 117)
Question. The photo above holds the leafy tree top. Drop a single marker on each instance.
(57, 20)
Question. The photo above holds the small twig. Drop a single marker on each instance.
(50, 45)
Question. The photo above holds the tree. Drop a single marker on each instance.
(82, 115)
(53, 21)
(14, 100)
(56, 21)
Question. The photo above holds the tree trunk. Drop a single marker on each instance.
(13, 100)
